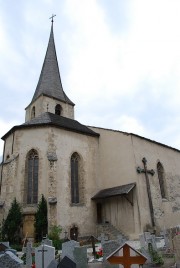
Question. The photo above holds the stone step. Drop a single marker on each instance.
(111, 231)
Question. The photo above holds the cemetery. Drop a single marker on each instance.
(148, 251)
(57, 249)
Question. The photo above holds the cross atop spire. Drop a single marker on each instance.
(52, 20)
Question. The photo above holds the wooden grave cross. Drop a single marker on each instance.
(124, 255)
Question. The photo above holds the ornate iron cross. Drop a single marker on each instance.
(152, 172)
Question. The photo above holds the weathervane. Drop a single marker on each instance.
(53, 15)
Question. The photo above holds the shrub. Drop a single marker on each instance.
(54, 235)
(12, 224)
(155, 256)
(41, 221)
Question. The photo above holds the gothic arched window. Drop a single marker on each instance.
(58, 109)
(161, 178)
(33, 112)
(75, 178)
(32, 177)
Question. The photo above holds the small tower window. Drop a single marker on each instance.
(58, 109)
(33, 112)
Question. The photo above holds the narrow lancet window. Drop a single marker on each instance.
(75, 178)
(32, 177)
(161, 178)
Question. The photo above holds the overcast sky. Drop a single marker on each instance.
(119, 62)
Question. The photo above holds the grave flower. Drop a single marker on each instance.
(99, 253)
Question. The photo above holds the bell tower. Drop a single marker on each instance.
(49, 95)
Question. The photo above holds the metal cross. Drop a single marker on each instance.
(152, 172)
(42, 250)
(53, 15)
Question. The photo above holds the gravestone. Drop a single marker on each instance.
(12, 251)
(103, 238)
(176, 242)
(147, 235)
(80, 257)
(68, 249)
(5, 243)
(142, 241)
(28, 250)
(53, 264)
(108, 248)
(3, 247)
(44, 254)
(152, 241)
(120, 239)
(9, 260)
(166, 238)
(67, 263)
(47, 241)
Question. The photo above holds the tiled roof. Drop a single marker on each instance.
(50, 81)
(115, 191)
(49, 119)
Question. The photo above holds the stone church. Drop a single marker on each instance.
(88, 175)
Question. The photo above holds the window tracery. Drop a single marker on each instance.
(32, 166)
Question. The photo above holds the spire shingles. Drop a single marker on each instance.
(49, 83)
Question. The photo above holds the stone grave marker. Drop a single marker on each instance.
(108, 248)
(121, 240)
(166, 238)
(5, 243)
(147, 235)
(9, 260)
(176, 242)
(142, 241)
(103, 238)
(47, 241)
(3, 247)
(146, 254)
(53, 264)
(68, 249)
(152, 241)
(28, 250)
(44, 254)
(80, 257)
(67, 263)
(12, 250)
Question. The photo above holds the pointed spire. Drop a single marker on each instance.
(50, 81)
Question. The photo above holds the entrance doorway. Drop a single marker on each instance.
(99, 212)
(28, 226)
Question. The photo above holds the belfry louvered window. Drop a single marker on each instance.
(160, 171)
(58, 109)
(75, 178)
(32, 180)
